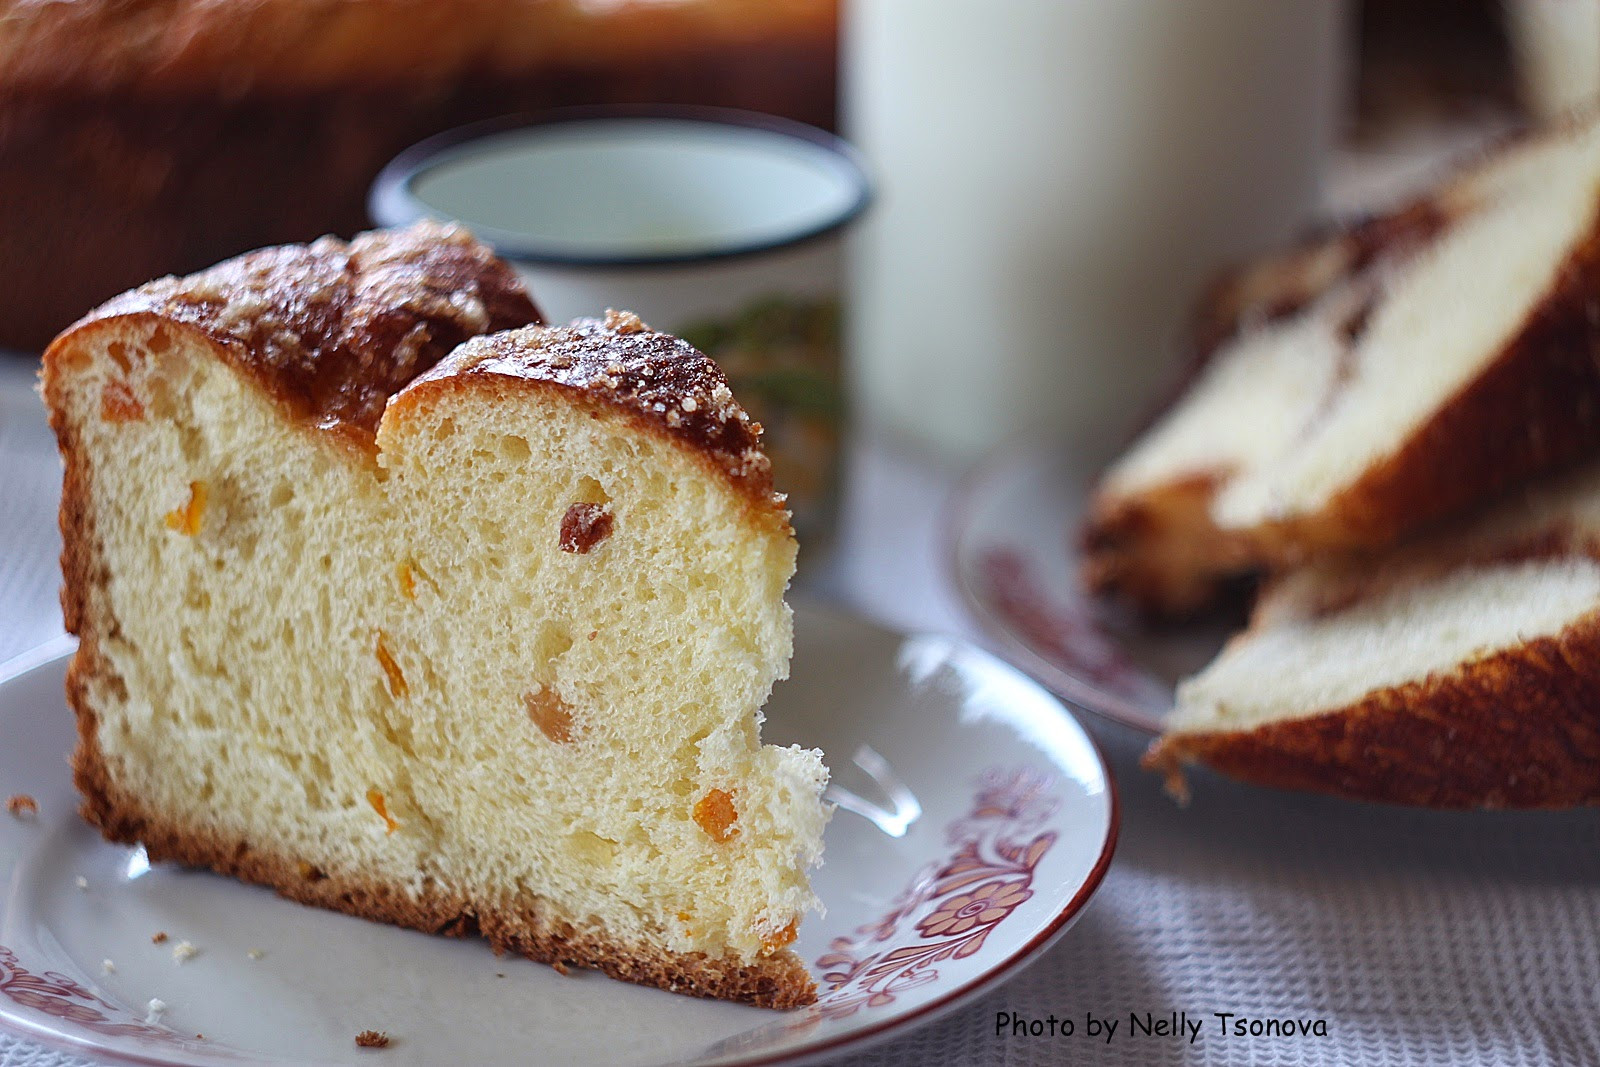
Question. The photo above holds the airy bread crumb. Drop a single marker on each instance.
(259, 693)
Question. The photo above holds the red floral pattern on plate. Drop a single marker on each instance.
(57, 995)
(952, 905)
(985, 906)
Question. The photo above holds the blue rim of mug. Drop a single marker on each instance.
(391, 201)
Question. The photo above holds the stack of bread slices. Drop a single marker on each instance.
(1392, 423)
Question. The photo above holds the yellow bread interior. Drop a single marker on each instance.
(386, 667)
(1304, 662)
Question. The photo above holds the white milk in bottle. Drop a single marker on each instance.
(1056, 179)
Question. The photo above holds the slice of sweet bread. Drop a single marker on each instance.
(1460, 671)
(1372, 381)
(469, 637)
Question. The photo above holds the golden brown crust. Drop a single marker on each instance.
(331, 330)
(523, 926)
(660, 382)
(83, 583)
(1516, 729)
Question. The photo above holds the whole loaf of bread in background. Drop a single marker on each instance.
(1367, 384)
(178, 132)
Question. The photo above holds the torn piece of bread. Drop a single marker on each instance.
(1460, 671)
(469, 639)
(1371, 382)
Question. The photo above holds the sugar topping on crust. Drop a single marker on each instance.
(333, 329)
(661, 379)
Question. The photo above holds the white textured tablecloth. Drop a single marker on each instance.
(1419, 938)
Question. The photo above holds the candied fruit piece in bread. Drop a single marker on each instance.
(372, 667)
(1462, 670)
(1372, 382)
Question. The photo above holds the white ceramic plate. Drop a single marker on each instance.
(1011, 547)
(976, 818)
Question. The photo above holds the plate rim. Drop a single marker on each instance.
(51, 652)
(1018, 960)
(955, 529)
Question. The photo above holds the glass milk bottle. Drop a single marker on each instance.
(1057, 179)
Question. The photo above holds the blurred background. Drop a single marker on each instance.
(144, 138)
